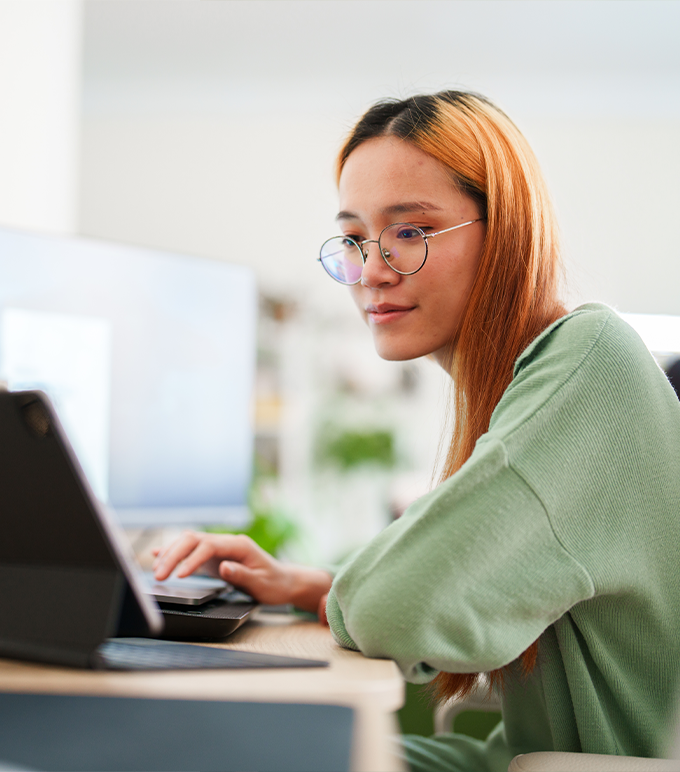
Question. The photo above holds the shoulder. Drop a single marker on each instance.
(588, 357)
(593, 330)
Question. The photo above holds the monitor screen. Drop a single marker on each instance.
(148, 358)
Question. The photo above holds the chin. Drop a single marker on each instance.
(397, 353)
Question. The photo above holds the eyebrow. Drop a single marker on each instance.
(408, 206)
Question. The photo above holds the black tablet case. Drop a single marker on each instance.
(62, 589)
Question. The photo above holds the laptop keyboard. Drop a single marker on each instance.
(150, 654)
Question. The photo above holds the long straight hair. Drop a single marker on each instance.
(515, 294)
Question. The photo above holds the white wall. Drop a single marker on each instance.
(247, 188)
(40, 110)
(614, 182)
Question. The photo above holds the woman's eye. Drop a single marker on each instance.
(408, 232)
(351, 241)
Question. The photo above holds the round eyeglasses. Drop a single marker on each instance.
(403, 247)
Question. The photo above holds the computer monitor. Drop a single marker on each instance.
(148, 358)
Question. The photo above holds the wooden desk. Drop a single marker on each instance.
(373, 688)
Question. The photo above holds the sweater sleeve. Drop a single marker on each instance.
(464, 581)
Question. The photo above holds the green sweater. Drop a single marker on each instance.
(564, 525)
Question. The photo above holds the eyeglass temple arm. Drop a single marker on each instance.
(455, 227)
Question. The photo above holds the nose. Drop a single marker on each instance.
(376, 273)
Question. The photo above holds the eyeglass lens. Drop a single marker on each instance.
(403, 248)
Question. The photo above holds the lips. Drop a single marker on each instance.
(380, 313)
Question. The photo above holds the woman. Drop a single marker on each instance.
(547, 555)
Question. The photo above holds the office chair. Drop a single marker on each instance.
(480, 699)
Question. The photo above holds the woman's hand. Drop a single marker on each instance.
(238, 560)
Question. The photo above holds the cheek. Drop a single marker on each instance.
(461, 275)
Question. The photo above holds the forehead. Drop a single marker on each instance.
(386, 171)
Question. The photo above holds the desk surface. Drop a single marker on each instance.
(372, 687)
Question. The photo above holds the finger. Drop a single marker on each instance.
(240, 549)
(238, 575)
(174, 554)
(156, 552)
(203, 552)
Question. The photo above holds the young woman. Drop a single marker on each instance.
(547, 556)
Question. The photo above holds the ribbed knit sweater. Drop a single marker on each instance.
(563, 526)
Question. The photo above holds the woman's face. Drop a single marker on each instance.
(387, 180)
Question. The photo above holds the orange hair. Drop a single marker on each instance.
(515, 294)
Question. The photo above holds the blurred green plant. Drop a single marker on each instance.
(270, 527)
(349, 449)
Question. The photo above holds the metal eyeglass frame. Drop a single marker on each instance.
(384, 253)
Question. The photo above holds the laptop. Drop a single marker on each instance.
(70, 590)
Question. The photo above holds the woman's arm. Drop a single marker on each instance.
(238, 560)
(464, 581)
